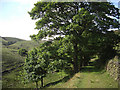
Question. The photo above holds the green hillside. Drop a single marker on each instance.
(10, 54)
(24, 44)
(4, 42)
(12, 62)
(10, 57)
(10, 40)
(15, 43)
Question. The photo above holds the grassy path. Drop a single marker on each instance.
(95, 80)
(89, 79)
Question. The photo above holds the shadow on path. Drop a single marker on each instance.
(65, 79)
(92, 67)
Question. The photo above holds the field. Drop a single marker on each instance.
(12, 68)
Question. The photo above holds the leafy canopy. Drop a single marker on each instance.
(72, 17)
(36, 65)
(85, 26)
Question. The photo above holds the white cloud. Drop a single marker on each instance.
(20, 28)
(18, 24)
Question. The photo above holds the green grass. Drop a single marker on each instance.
(95, 80)
(11, 80)
(16, 80)
(89, 80)
(10, 57)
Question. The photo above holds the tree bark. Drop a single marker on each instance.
(41, 82)
(37, 85)
(75, 58)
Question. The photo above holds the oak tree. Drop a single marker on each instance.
(76, 21)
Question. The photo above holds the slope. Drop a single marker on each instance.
(10, 40)
(12, 62)
(88, 79)
(25, 44)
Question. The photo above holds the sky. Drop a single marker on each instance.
(15, 20)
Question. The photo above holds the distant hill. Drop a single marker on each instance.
(10, 40)
(25, 44)
(16, 43)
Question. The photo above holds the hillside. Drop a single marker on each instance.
(15, 43)
(10, 40)
(10, 49)
(10, 57)
(11, 60)
(24, 44)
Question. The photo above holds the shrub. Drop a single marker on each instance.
(22, 52)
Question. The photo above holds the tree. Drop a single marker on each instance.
(36, 65)
(72, 19)
(60, 58)
(22, 52)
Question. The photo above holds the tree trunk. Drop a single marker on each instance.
(41, 82)
(37, 85)
(75, 58)
(81, 64)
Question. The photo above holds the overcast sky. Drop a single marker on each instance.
(15, 20)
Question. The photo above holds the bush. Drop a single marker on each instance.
(22, 52)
